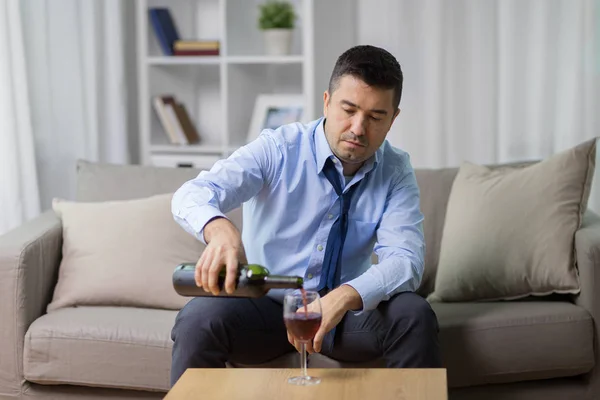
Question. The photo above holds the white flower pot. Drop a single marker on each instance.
(278, 42)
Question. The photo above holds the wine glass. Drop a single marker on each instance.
(302, 315)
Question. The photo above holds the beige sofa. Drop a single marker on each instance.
(528, 349)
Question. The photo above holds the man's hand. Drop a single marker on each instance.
(334, 306)
(224, 249)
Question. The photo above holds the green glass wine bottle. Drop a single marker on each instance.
(253, 281)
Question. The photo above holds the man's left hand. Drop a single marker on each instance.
(334, 306)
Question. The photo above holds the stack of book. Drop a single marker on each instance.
(196, 48)
(175, 120)
(171, 43)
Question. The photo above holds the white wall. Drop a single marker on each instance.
(487, 80)
(452, 106)
(70, 68)
(490, 81)
(342, 22)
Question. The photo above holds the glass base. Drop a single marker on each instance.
(304, 380)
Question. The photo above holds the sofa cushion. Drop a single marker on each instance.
(481, 343)
(103, 181)
(434, 186)
(509, 232)
(500, 342)
(121, 253)
(99, 182)
(101, 346)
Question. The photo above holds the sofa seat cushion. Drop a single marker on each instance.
(101, 346)
(481, 343)
(498, 342)
(514, 341)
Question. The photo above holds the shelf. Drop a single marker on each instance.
(292, 59)
(183, 60)
(191, 149)
(213, 60)
(219, 92)
(186, 149)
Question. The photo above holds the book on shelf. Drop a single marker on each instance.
(175, 120)
(196, 52)
(196, 45)
(170, 106)
(170, 41)
(189, 130)
(164, 28)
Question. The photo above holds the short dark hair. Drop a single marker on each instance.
(373, 65)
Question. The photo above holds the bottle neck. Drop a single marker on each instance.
(283, 282)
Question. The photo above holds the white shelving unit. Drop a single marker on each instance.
(219, 92)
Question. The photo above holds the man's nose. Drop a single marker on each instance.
(358, 125)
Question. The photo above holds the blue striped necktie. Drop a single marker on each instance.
(330, 271)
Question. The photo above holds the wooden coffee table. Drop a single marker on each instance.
(336, 384)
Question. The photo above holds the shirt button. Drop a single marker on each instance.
(320, 248)
(310, 276)
(335, 161)
(330, 216)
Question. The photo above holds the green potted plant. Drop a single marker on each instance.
(277, 20)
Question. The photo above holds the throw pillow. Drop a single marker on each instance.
(121, 253)
(509, 231)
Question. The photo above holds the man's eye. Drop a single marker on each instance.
(347, 111)
(375, 118)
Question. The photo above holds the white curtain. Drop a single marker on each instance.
(79, 58)
(490, 80)
(19, 197)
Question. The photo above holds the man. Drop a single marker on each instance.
(309, 193)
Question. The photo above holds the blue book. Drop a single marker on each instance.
(164, 28)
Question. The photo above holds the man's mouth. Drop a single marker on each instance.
(356, 144)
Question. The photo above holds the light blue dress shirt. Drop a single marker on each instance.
(289, 207)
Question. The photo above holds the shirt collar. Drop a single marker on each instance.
(323, 151)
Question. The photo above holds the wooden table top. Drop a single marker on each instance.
(336, 384)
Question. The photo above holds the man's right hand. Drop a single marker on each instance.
(224, 250)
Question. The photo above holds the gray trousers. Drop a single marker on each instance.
(210, 331)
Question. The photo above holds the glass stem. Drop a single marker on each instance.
(303, 358)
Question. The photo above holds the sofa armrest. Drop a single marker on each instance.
(29, 260)
(587, 248)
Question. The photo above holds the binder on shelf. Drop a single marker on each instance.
(164, 28)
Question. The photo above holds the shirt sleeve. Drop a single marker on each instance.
(228, 184)
(400, 246)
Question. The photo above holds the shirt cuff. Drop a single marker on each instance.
(195, 221)
(370, 293)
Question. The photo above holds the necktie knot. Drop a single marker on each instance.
(332, 176)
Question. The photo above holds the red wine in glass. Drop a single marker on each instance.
(302, 314)
(303, 326)
(304, 302)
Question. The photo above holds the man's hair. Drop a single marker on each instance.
(373, 65)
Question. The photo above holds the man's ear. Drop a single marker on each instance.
(326, 99)
(395, 115)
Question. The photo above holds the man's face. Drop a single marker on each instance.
(358, 119)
